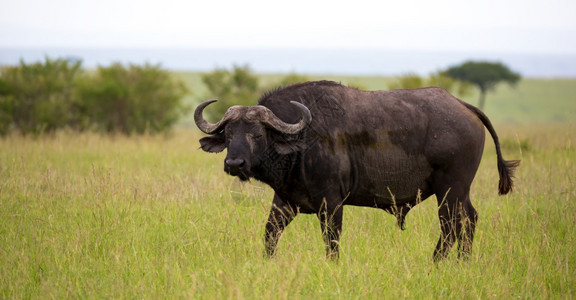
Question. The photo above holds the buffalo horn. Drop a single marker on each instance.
(265, 115)
(270, 119)
(211, 128)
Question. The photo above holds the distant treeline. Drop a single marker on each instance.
(58, 94)
(46, 96)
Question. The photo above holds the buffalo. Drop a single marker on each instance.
(322, 145)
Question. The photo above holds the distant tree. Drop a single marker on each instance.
(484, 75)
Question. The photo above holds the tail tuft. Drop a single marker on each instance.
(506, 170)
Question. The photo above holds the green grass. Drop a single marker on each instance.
(86, 216)
(532, 100)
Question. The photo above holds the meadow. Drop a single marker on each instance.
(90, 216)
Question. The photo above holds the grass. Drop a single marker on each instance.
(87, 216)
(532, 100)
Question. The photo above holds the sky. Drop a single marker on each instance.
(510, 26)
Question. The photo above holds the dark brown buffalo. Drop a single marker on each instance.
(322, 145)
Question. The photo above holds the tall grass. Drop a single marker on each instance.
(86, 216)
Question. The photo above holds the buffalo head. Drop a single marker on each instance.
(250, 133)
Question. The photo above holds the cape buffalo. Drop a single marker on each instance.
(321, 145)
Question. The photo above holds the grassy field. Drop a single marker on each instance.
(88, 216)
(153, 217)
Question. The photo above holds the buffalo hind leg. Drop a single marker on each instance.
(281, 214)
(448, 234)
(467, 223)
(330, 217)
(457, 221)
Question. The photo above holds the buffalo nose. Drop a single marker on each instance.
(235, 163)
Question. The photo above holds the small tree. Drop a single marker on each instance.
(484, 75)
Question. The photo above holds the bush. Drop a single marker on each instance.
(39, 97)
(43, 97)
(133, 99)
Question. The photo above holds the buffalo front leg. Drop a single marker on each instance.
(330, 217)
(281, 214)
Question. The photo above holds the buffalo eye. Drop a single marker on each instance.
(254, 136)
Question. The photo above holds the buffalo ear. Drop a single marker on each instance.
(286, 145)
(214, 143)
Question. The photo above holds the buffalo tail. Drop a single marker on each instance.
(505, 167)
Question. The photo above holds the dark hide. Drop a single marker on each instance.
(383, 149)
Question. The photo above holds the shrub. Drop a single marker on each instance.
(54, 94)
(133, 99)
(39, 97)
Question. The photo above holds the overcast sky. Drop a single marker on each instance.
(532, 26)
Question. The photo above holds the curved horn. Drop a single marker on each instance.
(273, 121)
(208, 127)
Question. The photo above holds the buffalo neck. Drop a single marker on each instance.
(279, 171)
